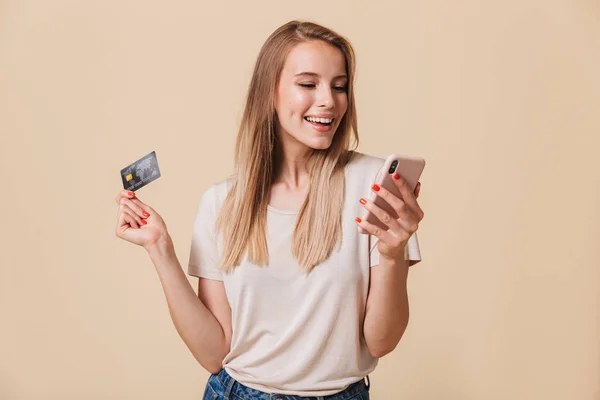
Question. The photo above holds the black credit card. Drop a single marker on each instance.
(141, 172)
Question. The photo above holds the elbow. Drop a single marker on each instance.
(380, 351)
(214, 362)
(387, 343)
(211, 363)
(212, 367)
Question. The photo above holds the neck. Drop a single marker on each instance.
(292, 169)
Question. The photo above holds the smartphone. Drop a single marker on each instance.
(410, 168)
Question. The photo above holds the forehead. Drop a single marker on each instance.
(315, 56)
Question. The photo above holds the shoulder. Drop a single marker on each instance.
(361, 166)
(213, 197)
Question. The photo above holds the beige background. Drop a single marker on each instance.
(501, 98)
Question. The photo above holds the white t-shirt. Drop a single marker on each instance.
(295, 334)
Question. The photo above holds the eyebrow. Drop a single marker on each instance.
(317, 75)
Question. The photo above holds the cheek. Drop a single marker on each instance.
(298, 101)
(342, 103)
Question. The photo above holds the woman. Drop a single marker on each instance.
(288, 304)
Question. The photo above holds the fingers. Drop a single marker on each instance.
(131, 214)
(131, 210)
(130, 204)
(399, 205)
(146, 210)
(126, 206)
(376, 231)
(381, 214)
(407, 195)
(126, 220)
(135, 204)
(124, 194)
(399, 228)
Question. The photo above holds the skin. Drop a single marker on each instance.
(299, 95)
(392, 242)
(204, 320)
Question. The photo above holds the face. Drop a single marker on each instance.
(311, 96)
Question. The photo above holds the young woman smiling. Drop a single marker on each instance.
(292, 301)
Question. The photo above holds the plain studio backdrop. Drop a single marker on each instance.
(501, 98)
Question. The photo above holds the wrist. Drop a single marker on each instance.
(399, 257)
(162, 246)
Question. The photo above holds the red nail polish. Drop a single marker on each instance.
(145, 214)
(363, 201)
(396, 176)
(376, 187)
(358, 219)
(131, 194)
(144, 222)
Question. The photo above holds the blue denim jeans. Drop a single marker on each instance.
(223, 387)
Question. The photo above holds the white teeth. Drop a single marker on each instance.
(321, 120)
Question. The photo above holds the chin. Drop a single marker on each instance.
(321, 143)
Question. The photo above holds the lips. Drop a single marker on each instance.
(319, 127)
(319, 120)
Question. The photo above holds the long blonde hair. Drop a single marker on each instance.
(243, 215)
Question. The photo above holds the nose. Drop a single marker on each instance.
(325, 97)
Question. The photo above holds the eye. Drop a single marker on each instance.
(341, 88)
(307, 85)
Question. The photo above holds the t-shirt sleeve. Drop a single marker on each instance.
(411, 251)
(204, 253)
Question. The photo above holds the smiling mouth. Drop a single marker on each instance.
(320, 121)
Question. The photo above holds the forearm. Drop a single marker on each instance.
(197, 326)
(387, 310)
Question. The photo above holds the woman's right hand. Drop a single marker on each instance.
(137, 222)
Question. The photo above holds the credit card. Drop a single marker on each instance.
(141, 172)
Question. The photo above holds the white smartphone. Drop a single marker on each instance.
(410, 168)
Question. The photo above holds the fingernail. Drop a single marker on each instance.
(131, 194)
(145, 214)
(396, 176)
(376, 187)
(144, 222)
(363, 201)
(358, 219)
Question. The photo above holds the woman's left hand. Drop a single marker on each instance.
(393, 241)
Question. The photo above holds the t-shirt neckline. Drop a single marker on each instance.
(278, 211)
